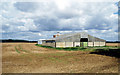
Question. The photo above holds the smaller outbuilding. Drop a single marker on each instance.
(40, 41)
(81, 39)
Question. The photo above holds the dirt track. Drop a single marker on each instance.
(33, 59)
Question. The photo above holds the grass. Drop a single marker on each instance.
(22, 49)
(17, 50)
(66, 48)
(53, 59)
(105, 48)
(102, 50)
(59, 61)
(69, 48)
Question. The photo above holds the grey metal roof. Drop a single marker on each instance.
(68, 35)
(71, 34)
(75, 37)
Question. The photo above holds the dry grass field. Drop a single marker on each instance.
(112, 44)
(28, 58)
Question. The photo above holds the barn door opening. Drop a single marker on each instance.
(84, 42)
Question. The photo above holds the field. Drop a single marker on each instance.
(29, 58)
(113, 44)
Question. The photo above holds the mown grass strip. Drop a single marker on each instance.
(66, 48)
(104, 48)
(17, 50)
(22, 49)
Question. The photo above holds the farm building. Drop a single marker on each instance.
(73, 40)
(40, 41)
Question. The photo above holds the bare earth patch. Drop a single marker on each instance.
(34, 59)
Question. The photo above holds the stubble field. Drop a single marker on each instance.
(28, 58)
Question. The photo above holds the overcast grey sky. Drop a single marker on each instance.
(40, 20)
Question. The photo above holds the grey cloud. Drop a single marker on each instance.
(98, 22)
(67, 14)
(46, 24)
(48, 17)
(26, 6)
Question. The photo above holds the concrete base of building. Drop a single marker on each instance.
(74, 44)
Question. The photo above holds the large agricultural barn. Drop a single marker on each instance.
(73, 40)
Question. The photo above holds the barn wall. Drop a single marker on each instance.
(76, 44)
(68, 44)
(73, 40)
(77, 37)
(49, 44)
(96, 43)
(39, 42)
(91, 44)
(60, 44)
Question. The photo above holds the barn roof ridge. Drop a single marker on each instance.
(72, 34)
(69, 34)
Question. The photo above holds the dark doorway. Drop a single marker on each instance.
(84, 42)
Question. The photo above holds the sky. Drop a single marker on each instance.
(34, 20)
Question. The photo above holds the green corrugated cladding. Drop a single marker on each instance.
(83, 44)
